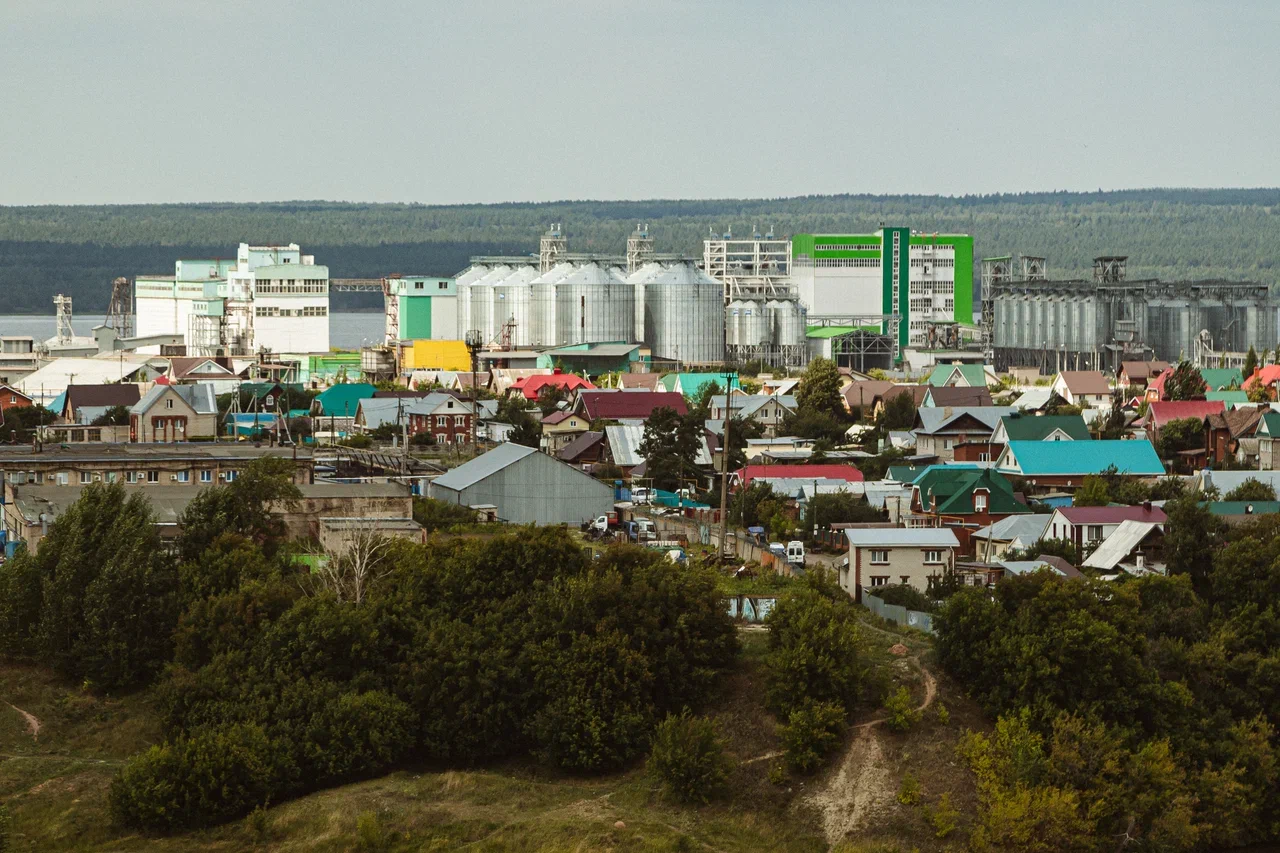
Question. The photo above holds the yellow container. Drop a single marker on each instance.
(435, 355)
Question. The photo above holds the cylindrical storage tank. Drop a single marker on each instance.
(684, 310)
(594, 304)
(754, 325)
(788, 322)
(512, 302)
(542, 291)
(733, 327)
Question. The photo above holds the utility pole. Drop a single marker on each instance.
(473, 341)
(724, 462)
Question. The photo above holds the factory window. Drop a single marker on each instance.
(86, 477)
(184, 476)
(846, 247)
(153, 476)
(206, 476)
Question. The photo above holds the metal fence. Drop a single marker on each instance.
(898, 613)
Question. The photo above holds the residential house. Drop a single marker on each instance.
(1048, 468)
(782, 385)
(525, 486)
(963, 499)
(896, 555)
(12, 398)
(561, 428)
(766, 410)
(586, 450)
(865, 396)
(692, 384)
(1086, 526)
(1034, 399)
(1241, 512)
(442, 416)
(1084, 388)
(1230, 399)
(1265, 376)
(944, 396)
(532, 387)
(1135, 376)
(169, 413)
(963, 376)
(627, 405)
(746, 475)
(1012, 533)
(624, 442)
(1232, 435)
(1135, 547)
(339, 401)
(1268, 434)
(1020, 427)
(915, 392)
(1215, 379)
(219, 371)
(640, 382)
(940, 430)
(593, 359)
(1161, 413)
(82, 404)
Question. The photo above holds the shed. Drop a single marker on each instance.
(526, 486)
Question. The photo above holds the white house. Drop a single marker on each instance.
(897, 555)
(1085, 388)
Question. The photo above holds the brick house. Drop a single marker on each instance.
(964, 499)
(442, 416)
(11, 398)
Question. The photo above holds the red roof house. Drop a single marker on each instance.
(848, 473)
(624, 405)
(1159, 414)
(531, 386)
(1267, 375)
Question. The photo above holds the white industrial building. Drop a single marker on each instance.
(268, 298)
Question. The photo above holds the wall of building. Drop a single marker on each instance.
(435, 355)
(905, 565)
(536, 489)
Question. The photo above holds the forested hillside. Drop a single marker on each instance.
(1166, 233)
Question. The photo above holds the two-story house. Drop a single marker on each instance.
(896, 555)
(169, 413)
(1087, 526)
(1084, 388)
(939, 430)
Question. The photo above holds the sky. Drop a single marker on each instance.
(442, 103)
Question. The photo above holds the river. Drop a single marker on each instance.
(348, 330)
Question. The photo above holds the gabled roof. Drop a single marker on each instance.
(1018, 427)
(1111, 514)
(1241, 507)
(861, 394)
(949, 491)
(801, 472)
(625, 440)
(915, 392)
(1241, 423)
(618, 405)
(746, 405)
(558, 416)
(199, 397)
(1129, 535)
(691, 384)
(647, 381)
(1046, 458)
(483, 466)
(373, 412)
(101, 396)
(343, 399)
(1034, 398)
(1228, 397)
(181, 367)
(1160, 413)
(1085, 382)
(1040, 563)
(1221, 378)
(580, 445)
(961, 375)
(1267, 375)
(1028, 528)
(531, 386)
(1143, 370)
(956, 396)
(1270, 424)
(901, 537)
(903, 473)
(9, 389)
(930, 421)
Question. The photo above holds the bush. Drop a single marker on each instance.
(197, 781)
(945, 818)
(909, 793)
(370, 833)
(688, 758)
(943, 715)
(903, 713)
(356, 735)
(813, 731)
(814, 650)
(905, 595)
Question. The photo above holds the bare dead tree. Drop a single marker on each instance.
(356, 565)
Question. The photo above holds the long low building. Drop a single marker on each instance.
(144, 464)
(30, 510)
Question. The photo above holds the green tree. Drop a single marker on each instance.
(436, 515)
(248, 506)
(814, 648)
(550, 397)
(1092, 492)
(1250, 362)
(740, 432)
(688, 758)
(819, 389)
(700, 405)
(837, 508)
(670, 447)
(19, 424)
(114, 416)
(1184, 383)
(1113, 426)
(1251, 489)
(1180, 434)
(899, 412)
(807, 423)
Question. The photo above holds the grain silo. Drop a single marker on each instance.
(594, 304)
(513, 303)
(683, 313)
(755, 326)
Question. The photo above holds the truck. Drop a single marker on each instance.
(792, 553)
(641, 530)
(602, 527)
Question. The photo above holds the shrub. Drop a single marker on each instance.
(197, 781)
(814, 650)
(355, 735)
(688, 758)
(945, 818)
(370, 833)
(811, 733)
(944, 716)
(903, 713)
(909, 793)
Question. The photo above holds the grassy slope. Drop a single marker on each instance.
(56, 787)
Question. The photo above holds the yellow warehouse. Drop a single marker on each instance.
(434, 355)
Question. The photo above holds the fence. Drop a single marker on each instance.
(750, 608)
(898, 613)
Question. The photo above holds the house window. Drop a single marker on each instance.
(184, 476)
(230, 476)
(946, 444)
(979, 502)
(86, 477)
(111, 476)
(459, 420)
(879, 580)
(206, 476)
(442, 420)
(460, 438)
(131, 476)
(168, 404)
(932, 557)
(153, 476)
(879, 557)
(1095, 532)
(906, 579)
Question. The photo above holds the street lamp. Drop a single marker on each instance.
(474, 340)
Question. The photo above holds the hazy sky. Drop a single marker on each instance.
(192, 100)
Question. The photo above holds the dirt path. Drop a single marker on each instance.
(863, 782)
(33, 725)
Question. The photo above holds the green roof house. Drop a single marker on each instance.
(962, 376)
(691, 384)
(1020, 427)
(1221, 378)
(342, 400)
(954, 490)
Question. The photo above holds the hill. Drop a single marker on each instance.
(1168, 233)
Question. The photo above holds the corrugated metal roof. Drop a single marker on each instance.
(893, 537)
(483, 466)
(1086, 457)
(624, 443)
(1117, 546)
(1028, 528)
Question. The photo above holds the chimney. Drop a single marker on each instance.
(1146, 505)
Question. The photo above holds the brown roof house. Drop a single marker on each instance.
(83, 403)
(1084, 388)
